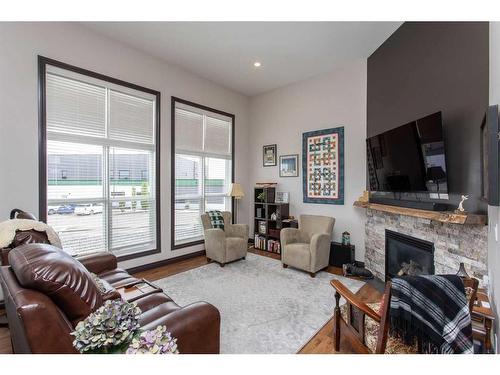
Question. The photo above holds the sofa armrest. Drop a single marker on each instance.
(98, 262)
(288, 236)
(320, 250)
(237, 230)
(196, 327)
(4, 255)
(215, 237)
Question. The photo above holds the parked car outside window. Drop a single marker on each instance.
(65, 209)
(88, 209)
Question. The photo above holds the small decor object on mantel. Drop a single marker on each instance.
(460, 209)
(462, 272)
(269, 155)
(323, 166)
(289, 165)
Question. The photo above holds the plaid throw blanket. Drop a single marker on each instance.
(432, 310)
(216, 219)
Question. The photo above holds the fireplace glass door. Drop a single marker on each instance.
(406, 255)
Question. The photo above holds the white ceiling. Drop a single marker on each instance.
(224, 52)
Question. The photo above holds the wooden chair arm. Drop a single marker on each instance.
(353, 300)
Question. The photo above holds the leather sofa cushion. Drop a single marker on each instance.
(106, 289)
(51, 271)
(24, 237)
(118, 278)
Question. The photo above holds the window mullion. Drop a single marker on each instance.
(203, 166)
(203, 170)
(106, 182)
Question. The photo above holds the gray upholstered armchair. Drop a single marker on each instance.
(307, 248)
(226, 245)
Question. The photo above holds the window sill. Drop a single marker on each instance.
(122, 258)
(187, 244)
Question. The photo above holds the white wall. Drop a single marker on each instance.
(281, 116)
(20, 43)
(494, 212)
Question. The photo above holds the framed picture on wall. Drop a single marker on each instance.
(269, 155)
(323, 166)
(289, 165)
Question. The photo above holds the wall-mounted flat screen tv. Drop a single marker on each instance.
(409, 158)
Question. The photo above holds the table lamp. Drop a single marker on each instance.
(236, 192)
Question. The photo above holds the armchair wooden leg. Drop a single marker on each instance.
(336, 323)
(222, 264)
(243, 258)
(313, 274)
(285, 265)
(209, 260)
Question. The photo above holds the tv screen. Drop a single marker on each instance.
(409, 158)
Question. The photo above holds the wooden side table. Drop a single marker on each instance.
(482, 320)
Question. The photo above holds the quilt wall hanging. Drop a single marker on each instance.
(323, 166)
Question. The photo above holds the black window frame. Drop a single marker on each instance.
(175, 100)
(42, 141)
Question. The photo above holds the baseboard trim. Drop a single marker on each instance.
(146, 267)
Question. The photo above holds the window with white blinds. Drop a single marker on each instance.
(101, 151)
(203, 168)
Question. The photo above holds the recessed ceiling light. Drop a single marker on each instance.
(257, 64)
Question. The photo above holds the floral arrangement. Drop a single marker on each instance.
(155, 341)
(107, 328)
(114, 328)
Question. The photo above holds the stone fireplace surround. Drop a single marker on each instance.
(453, 243)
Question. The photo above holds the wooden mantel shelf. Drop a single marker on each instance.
(441, 216)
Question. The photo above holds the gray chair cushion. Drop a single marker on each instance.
(297, 255)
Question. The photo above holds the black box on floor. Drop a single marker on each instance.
(341, 254)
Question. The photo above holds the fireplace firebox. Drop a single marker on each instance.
(406, 255)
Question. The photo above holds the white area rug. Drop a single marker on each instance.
(264, 307)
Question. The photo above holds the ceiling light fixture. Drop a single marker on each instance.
(257, 64)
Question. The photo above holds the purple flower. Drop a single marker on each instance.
(157, 341)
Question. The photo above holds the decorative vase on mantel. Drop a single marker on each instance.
(462, 272)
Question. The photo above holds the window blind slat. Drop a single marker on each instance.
(188, 130)
(75, 107)
(217, 136)
(131, 118)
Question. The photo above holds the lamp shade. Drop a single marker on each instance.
(236, 191)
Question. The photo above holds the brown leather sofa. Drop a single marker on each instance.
(47, 292)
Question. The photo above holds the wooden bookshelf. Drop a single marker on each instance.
(441, 216)
(267, 230)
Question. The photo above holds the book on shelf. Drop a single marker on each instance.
(274, 246)
(259, 242)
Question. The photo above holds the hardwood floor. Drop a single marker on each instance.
(320, 343)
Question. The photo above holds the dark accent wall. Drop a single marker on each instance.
(425, 67)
